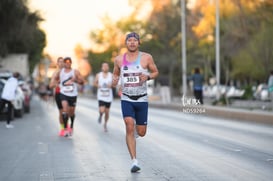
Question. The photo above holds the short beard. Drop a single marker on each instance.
(132, 50)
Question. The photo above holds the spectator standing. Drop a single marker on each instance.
(198, 81)
(8, 95)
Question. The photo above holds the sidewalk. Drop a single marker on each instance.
(234, 113)
(239, 111)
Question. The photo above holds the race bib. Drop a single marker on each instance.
(131, 79)
(68, 88)
(105, 92)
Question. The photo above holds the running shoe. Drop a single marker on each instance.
(70, 131)
(66, 130)
(9, 126)
(135, 168)
(62, 132)
(66, 133)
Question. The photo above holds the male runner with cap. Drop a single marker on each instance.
(134, 68)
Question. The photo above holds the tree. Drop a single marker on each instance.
(242, 26)
(109, 41)
(19, 31)
(251, 40)
(245, 32)
(165, 40)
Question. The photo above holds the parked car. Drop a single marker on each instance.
(27, 95)
(18, 102)
(5, 74)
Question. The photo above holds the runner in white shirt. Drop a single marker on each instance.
(68, 78)
(133, 69)
(103, 82)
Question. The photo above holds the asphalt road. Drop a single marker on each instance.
(177, 147)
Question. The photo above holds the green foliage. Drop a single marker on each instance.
(165, 42)
(36, 48)
(255, 60)
(96, 60)
(248, 92)
(221, 102)
(19, 31)
(244, 65)
(246, 36)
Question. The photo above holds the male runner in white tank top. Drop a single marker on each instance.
(133, 69)
(68, 78)
(103, 82)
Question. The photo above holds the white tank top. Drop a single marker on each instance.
(130, 82)
(71, 89)
(105, 93)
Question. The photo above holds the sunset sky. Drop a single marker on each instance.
(69, 22)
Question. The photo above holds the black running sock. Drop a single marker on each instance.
(65, 119)
(72, 118)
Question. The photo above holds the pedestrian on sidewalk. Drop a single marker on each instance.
(198, 81)
(68, 78)
(8, 95)
(57, 93)
(103, 82)
(134, 68)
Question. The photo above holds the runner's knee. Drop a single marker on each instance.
(141, 130)
(141, 133)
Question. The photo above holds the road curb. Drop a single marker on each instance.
(240, 115)
(223, 112)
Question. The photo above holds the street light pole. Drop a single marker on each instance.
(217, 47)
(183, 47)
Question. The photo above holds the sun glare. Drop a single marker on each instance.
(68, 23)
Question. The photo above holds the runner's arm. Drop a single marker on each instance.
(96, 81)
(116, 73)
(54, 79)
(78, 78)
(152, 68)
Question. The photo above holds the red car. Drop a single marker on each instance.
(27, 92)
